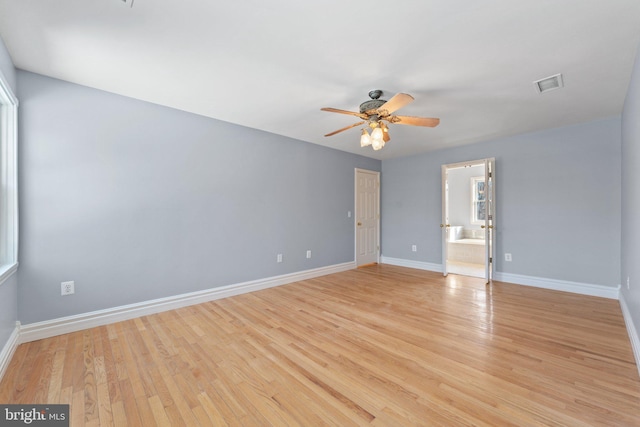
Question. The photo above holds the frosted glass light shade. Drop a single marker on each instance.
(377, 144)
(365, 139)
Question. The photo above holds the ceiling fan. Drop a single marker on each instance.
(376, 113)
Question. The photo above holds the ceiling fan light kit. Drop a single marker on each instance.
(375, 111)
(377, 138)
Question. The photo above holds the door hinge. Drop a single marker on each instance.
(490, 260)
(490, 174)
(490, 217)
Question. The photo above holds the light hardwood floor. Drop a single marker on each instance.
(379, 346)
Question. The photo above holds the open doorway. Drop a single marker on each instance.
(467, 218)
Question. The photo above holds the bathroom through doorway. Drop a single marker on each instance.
(468, 216)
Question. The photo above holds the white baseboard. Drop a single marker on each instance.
(611, 292)
(420, 265)
(9, 348)
(64, 325)
(631, 330)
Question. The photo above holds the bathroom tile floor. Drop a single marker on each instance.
(465, 268)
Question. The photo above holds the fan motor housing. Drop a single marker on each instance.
(372, 104)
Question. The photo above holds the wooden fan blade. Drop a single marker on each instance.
(415, 121)
(385, 132)
(351, 113)
(398, 101)
(345, 128)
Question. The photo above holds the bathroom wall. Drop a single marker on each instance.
(460, 196)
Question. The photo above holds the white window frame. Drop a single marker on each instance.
(474, 200)
(8, 180)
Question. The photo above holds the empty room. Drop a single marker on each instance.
(420, 213)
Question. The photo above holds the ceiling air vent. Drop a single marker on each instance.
(549, 83)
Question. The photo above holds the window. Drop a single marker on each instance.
(8, 180)
(478, 200)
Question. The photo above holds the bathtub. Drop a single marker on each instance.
(465, 241)
(464, 249)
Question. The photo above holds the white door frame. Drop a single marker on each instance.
(444, 225)
(489, 224)
(355, 216)
(489, 235)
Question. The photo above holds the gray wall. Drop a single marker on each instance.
(460, 195)
(8, 289)
(631, 196)
(134, 201)
(557, 202)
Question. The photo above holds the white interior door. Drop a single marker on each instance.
(489, 235)
(367, 217)
(444, 225)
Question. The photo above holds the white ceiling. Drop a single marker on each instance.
(272, 65)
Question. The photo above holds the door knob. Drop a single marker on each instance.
(482, 226)
(442, 225)
(359, 223)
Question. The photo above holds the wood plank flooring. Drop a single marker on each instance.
(378, 346)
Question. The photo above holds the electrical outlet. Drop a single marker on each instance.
(279, 258)
(414, 248)
(308, 254)
(507, 257)
(67, 288)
